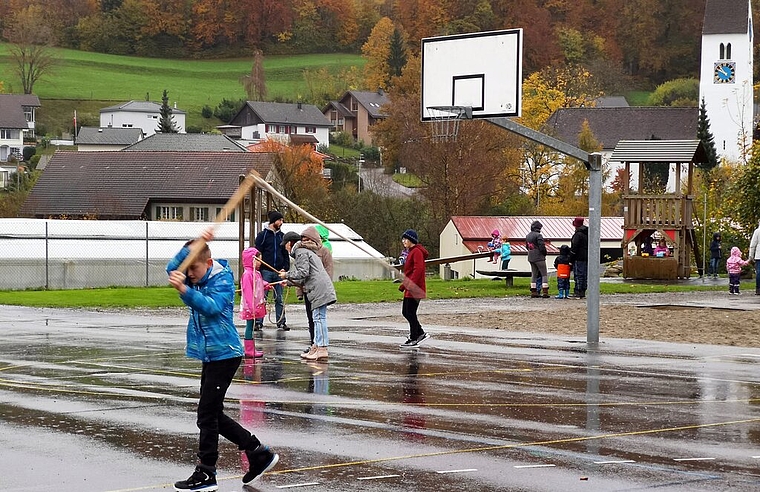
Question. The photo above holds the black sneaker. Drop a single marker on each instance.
(202, 479)
(258, 326)
(260, 460)
(283, 327)
(408, 343)
(421, 338)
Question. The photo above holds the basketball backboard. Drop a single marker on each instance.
(481, 70)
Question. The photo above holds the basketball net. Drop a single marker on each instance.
(445, 120)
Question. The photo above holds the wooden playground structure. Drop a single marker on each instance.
(668, 215)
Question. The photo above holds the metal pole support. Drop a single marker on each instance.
(594, 248)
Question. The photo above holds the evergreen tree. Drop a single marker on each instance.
(708, 141)
(166, 122)
(396, 55)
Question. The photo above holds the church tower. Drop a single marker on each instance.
(725, 80)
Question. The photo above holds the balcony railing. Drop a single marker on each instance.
(657, 212)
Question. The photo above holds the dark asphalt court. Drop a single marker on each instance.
(95, 401)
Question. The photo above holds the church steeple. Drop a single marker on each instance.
(726, 81)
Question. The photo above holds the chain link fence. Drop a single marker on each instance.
(78, 254)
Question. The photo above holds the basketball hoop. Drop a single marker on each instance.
(445, 121)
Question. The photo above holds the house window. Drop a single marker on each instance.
(229, 218)
(126, 125)
(728, 51)
(168, 213)
(16, 152)
(4, 179)
(153, 116)
(29, 114)
(311, 129)
(354, 105)
(266, 128)
(6, 134)
(199, 214)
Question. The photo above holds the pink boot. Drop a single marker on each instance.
(250, 349)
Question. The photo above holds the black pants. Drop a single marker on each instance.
(409, 311)
(216, 377)
(309, 317)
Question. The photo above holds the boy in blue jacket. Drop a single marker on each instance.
(208, 289)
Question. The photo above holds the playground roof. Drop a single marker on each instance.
(659, 151)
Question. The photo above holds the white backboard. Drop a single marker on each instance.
(482, 70)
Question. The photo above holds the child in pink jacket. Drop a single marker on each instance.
(734, 266)
(253, 304)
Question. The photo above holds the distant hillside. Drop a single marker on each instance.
(89, 81)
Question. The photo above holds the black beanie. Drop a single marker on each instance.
(274, 216)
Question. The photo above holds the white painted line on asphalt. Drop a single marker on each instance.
(612, 462)
(756, 457)
(378, 477)
(534, 466)
(693, 459)
(294, 485)
(457, 471)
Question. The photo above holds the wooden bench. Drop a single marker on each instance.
(508, 275)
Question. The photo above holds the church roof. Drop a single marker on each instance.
(726, 17)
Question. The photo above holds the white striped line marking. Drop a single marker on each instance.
(378, 477)
(612, 462)
(534, 466)
(756, 457)
(693, 459)
(294, 485)
(464, 470)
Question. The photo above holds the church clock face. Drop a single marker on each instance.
(724, 73)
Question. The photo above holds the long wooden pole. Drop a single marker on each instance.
(263, 184)
(197, 245)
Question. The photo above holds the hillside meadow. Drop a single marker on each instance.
(88, 81)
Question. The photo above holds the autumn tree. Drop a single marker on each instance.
(377, 51)
(300, 172)
(543, 93)
(166, 122)
(255, 84)
(460, 177)
(31, 50)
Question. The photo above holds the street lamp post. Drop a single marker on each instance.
(359, 163)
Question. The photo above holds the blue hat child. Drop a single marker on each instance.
(411, 235)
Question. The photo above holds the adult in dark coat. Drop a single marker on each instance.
(268, 242)
(579, 257)
(534, 242)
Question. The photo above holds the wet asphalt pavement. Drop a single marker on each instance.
(95, 401)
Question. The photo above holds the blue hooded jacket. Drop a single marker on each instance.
(211, 331)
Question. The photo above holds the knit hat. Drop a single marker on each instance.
(274, 216)
(578, 221)
(536, 226)
(411, 235)
(290, 237)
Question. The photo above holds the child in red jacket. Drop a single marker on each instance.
(413, 286)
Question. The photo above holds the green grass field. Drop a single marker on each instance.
(347, 291)
(90, 81)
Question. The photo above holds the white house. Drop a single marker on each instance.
(725, 79)
(139, 114)
(280, 121)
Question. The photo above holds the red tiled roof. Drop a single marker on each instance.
(476, 230)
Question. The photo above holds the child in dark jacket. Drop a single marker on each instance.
(564, 267)
(716, 253)
(208, 289)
